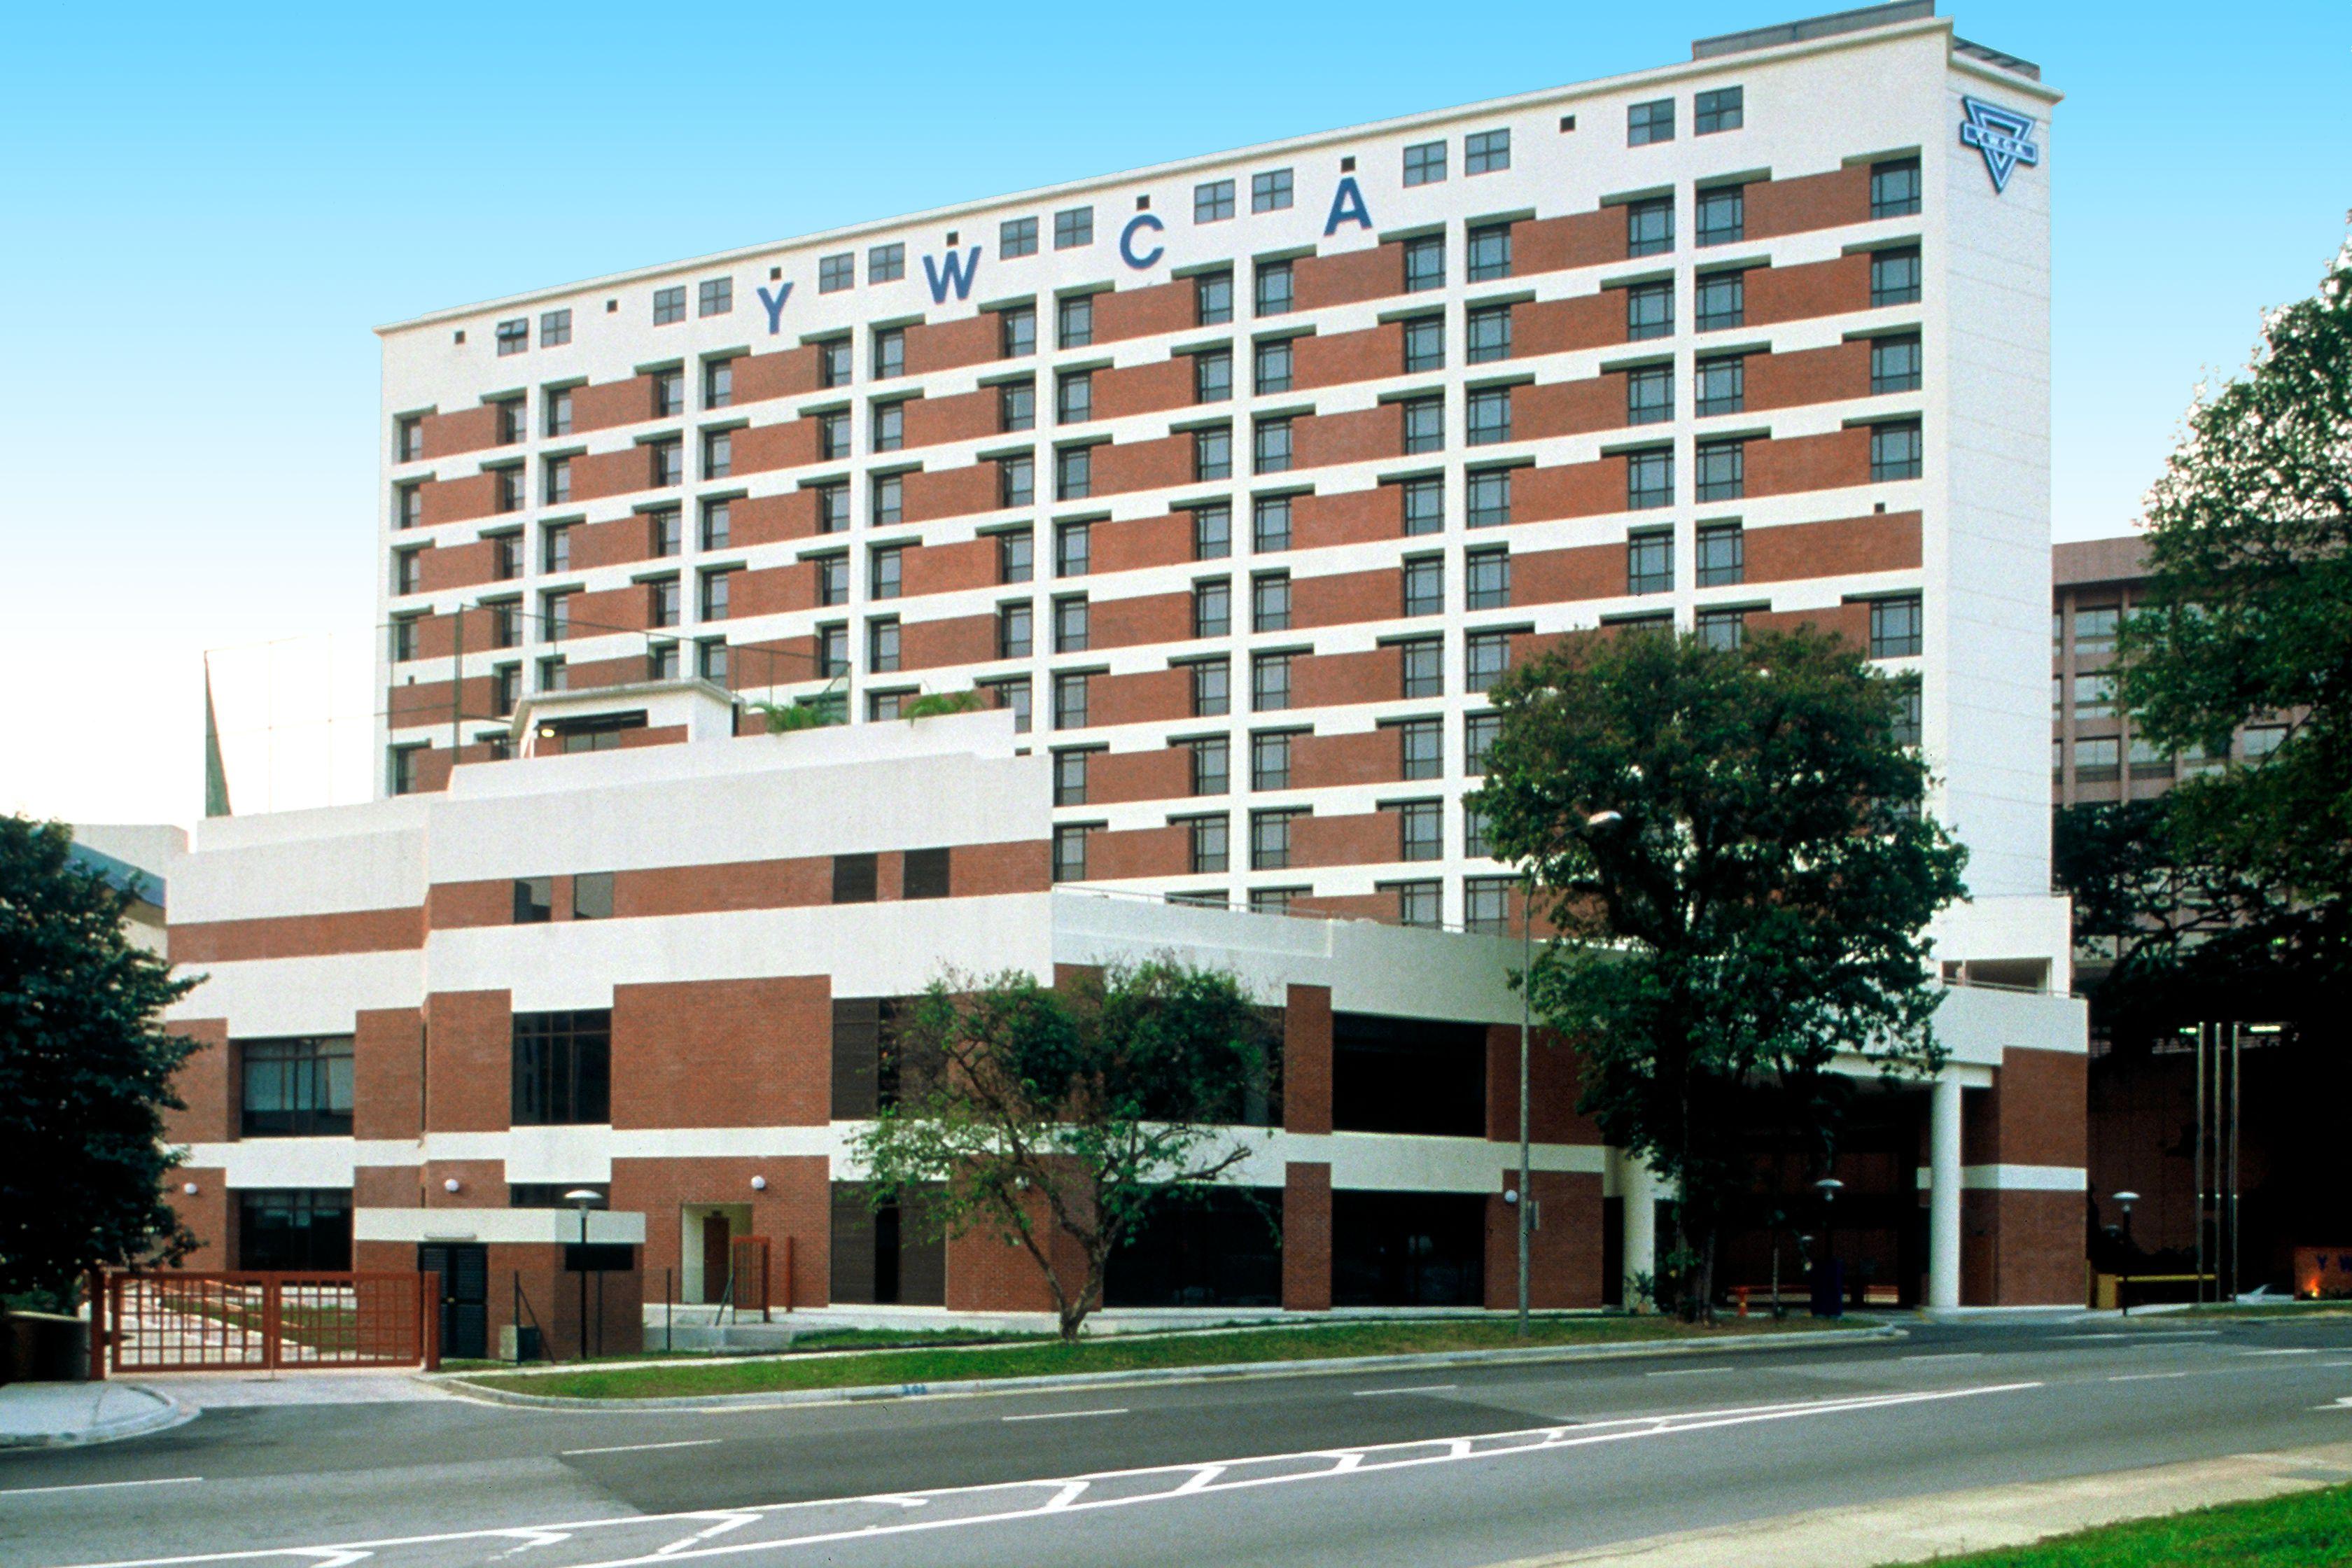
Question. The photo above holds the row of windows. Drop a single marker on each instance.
(713, 297)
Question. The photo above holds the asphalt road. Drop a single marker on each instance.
(1459, 1468)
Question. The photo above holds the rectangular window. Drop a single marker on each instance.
(668, 461)
(1213, 533)
(1016, 481)
(1485, 152)
(554, 473)
(1650, 226)
(669, 306)
(1722, 554)
(855, 878)
(1722, 469)
(1069, 702)
(1270, 523)
(2096, 629)
(1270, 762)
(1651, 122)
(714, 297)
(1722, 384)
(715, 596)
(1489, 334)
(1269, 682)
(662, 602)
(1017, 237)
(1894, 277)
(1489, 252)
(1424, 264)
(408, 438)
(1270, 839)
(711, 660)
(1074, 321)
(2098, 761)
(1270, 602)
(1074, 397)
(556, 481)
(562, 1068)
(1422, 504)
(514, 421)
(1270, 192)
(1650, 311)
(1209, 851)
(1424, 163)
(1722, 301)
(554, 328)
(1486, 905)
(1489, 415)
(1895, 627)
(1486, 657)
(1650, 395)
(1070, 625)
(889, 351)
(505, 689)
(1212, 201)
(408, 506)
(1275, 295)
(833, 366)
(2094, 696)
(1478, 732)
(1013, 695)
(1070, 853)
(1421, 668)
(1213, 693)
(889, 498)
(1476, 843)
(1074, 473)
(1421, 745)
(1070, 778)
(832, 650)
(886, 573)
(1014, 633)
(1722, 629)
(834, 273)
(1273, 366)
(833, 507)
(886, 263)
(718, 382)
(1722, 215)
(1016, 560)
(299, 1087)
(1213, 298)
(1895, 187)
(1895, 364)
(1649, 478)
(1895, 450)
(882, 646)
(1487, 578)
(1425, 425)
(1212, 608)
(1072, 549)
(1212, 376)
(1074, 227)
(1017, 332)
(1424, 585)
(1489, 492)
(1650, 561)
(1212, 453)
(1016, 406)
(1722, 110)
(555, 548)
(718, 454)
(513, 337)
(1270, 446)
(1421, 830)
(591, 896)
(1424, 345)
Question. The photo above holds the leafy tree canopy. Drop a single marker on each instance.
(84, 1072)
(1731, 846)
(1055, 1118)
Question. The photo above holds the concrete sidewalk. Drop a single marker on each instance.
(1918, 1529)
(68, 1414)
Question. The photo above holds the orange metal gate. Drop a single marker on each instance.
(175, 1321)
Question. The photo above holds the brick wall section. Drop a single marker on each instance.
(1809, 202)
(1347, 598)
(772, 590)
(788, 373)
(1343, 357)
(203, 1086)
(208, 1216)
(1809, 288)
(986, 1273)
(949, 492)
(1830, 461)
(454, 501)
(1566, 576)
(1127, 546)
(616, 403)
(1144, 619)
(1563, 1250)
(948, 641)
(1576, 240)
(1146, 388)
(771, 520)
(1808, 375)
(1307, 1236)
(469, 1062)
(1348, 517)
(1557, 326)
(1568, 407)
(1140, 698)
(1321, 440)
(388, 1072)
(723, 1053)
(1306, 1064)
(1851, 622)
(1556, 1076)
(764, 449)
(463, 565)
(1121, 855)
(299, 936)
(435, 636)
(1163, 772)
(945, 345)
(1887, 541)
(796, 1206)
(620, 543)
(428, 703)
(1145, 465)
(462, 430)
(1334, 680)
(1364, 757)
(1569, 490)
(1349, 277)
(1355, 838)
(1144, 312)
(595, 475)
(966, 416)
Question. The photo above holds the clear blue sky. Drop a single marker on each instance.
(207, 207)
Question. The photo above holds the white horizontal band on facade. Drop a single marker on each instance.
(527, 1226)
(2016, 1179)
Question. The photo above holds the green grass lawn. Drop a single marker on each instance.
(2309, 1530)
(1036, 1358)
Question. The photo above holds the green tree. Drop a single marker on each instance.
(1055, 1118)
(2247, 619)
(85, 1072)
(1731, 846)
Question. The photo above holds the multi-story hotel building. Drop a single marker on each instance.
(1238, 482)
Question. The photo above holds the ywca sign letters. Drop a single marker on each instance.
(2003, 135)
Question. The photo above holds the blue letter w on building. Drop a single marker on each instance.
(956, 271)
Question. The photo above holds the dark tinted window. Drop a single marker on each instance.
(1408, 1249)
(853, 880)
(297, 1088)
(927, 874)
(1408, 1075)
(563, 1067)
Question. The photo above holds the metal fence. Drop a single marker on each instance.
(269, 1322)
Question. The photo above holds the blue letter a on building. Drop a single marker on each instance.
(955, 272)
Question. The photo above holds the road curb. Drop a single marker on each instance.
(966, 1387)
(170, 1413)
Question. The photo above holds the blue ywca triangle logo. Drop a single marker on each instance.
(2001, 135)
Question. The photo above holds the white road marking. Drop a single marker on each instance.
(2343, 1404)
(1421, 1388)
(2148, 1334)
(1041, 1499)
(94, 1485)
(2149, 1376)
(640, 1447)
(1691, 1372)
(1065, 1415)
(2335, 1364)
(1947, 1355)
(2279, 1352)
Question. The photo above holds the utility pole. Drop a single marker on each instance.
(1527, 979)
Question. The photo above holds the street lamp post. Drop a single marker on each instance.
(583, 1199)
(1829, 1187)
(2123, 1290)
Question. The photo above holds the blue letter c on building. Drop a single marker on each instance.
(1135, 225)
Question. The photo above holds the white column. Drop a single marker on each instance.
(1944, 1193)
(1640, 1221)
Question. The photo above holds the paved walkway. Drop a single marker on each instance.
(66, 1414)
(1916, 1530)
(235, 1390)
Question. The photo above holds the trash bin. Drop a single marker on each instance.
(45, 1347)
